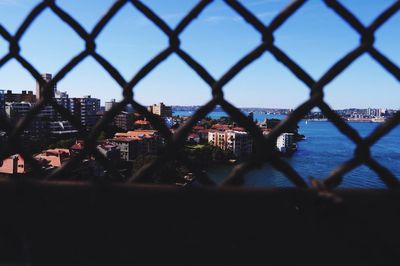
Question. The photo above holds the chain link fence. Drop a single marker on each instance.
(265, 152)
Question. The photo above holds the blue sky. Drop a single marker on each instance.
(315, 37)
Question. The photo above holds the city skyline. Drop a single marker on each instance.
(108, 103)
(265, 83)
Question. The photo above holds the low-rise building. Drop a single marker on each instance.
(53, 158)
(109, 150)
(134, 143)
(12, 165)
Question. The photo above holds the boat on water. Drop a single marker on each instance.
(378, 120)
(367, 120)
(317, 120)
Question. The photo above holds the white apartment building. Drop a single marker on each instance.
(285, 142)
(239, 142)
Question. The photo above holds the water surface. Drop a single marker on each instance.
(321, 152)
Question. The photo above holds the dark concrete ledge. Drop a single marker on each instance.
(72, 223)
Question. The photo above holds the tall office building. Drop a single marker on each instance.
(40, 89)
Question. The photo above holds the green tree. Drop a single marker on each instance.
(169, 172)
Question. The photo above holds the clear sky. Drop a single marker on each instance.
(315, 37)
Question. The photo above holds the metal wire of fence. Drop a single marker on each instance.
(265, 153)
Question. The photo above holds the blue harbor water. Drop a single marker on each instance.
(320, 153)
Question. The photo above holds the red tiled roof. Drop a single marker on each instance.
(239, 129)
(137, 133)
(77, 146)
(220, 126)
(198, 128)
(142, 122)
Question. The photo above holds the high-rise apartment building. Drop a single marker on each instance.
(374, 112)
(160, 109)
(85, 109)
(40, 89)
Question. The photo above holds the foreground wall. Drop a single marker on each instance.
(80, 224)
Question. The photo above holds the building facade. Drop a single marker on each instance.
(38, 128)
(161, 110)
(109, 105)
(124, 120)
(239, 142)
(53, 158)
(374, 112)
(2, 103)
(85, 109)
(63, 100)
(15, 110)
(285, 142)
(24, 96)
(12, 165)
(40, 90)
(135, 143)
(62, 130)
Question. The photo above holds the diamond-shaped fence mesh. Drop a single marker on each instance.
(264, 153)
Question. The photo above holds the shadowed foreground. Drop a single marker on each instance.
(81, 224)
